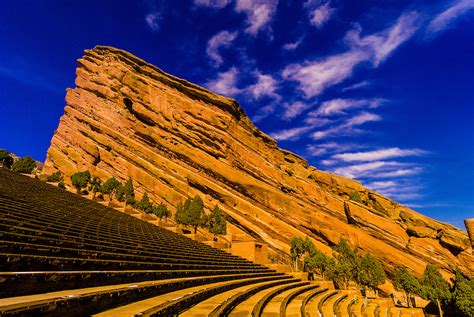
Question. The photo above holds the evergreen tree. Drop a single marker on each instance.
(6, 159)
(55, 177)
(319, 261)
(297, 249)
(434, 287)
(24, 165)
(179, 214)
(195, 216)
(404, 281)
(161, 211)
(109, 187)
(145, 204)
(370, 272)
(95, 185)
(217, 222)
(80, 180)
(463, 295)
(129, 192)
(347, 261)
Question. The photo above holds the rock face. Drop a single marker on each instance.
(127, 118)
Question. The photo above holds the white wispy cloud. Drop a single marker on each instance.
(365, 169)
(380, 154)
(152, 20)
(294, 109)
(292, 45)
(218, 4)
(225, 83)
(315, 76)
(348, 127)
(338, 106)
(361, 84)
(265, 86)
(383, 43)
(403, 172)
(448, 17)
(264, 112)
(290, 134)
(331, 147)
(259, 13)
(320, 14)
(380, 185)
(222, 39)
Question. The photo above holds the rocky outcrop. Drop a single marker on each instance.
(470, 230)
(127, 118)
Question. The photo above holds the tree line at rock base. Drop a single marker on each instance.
(190, 213)
(349, 265)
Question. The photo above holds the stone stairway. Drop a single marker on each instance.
(64, 255)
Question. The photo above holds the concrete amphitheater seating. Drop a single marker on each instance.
(64, 255)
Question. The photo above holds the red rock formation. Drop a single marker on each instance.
(128, 118)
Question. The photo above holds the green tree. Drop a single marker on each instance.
(347, 261)
(463, 295)
(317, 260)
(161, 211)
(179, 214)
(191, 213)
(128, 192)
(24, 165)
(217, 222)
(145, 204)
(297, 249)
(434, 287)
(404, 281)
(109, 187)
(56, 177)
(80, 180)
(354, 196)
(370, 272)
(6, 159)
(95, 185)
(309, 246)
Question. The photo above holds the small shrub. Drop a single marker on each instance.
(80, 180)
(354, 196)
(55, 177)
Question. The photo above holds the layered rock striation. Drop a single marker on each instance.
(127, 118)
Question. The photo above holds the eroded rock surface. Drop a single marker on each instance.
(128, 118)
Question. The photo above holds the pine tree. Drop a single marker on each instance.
(370, 272)
(434, 287)
(80, 180)
(129, 192)
(24, 165)
(109, 187)
(161, 211)
(463, 295)
(95, 185)
(404, 281)
(144, 204)
(347, 260)
(217, 222)
(297, 248)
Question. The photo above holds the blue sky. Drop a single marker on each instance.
(380, 91)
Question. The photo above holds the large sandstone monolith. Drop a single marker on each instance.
(128, 118)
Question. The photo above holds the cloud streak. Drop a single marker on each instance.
(449, 17)
(259, 13)
(348, 127)
(222, 39)
(316, 76)
(380, 154)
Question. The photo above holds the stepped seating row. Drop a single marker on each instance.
(63, 255)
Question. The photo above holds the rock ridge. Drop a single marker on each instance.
(127, 118)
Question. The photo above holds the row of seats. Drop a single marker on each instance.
(64, 255)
